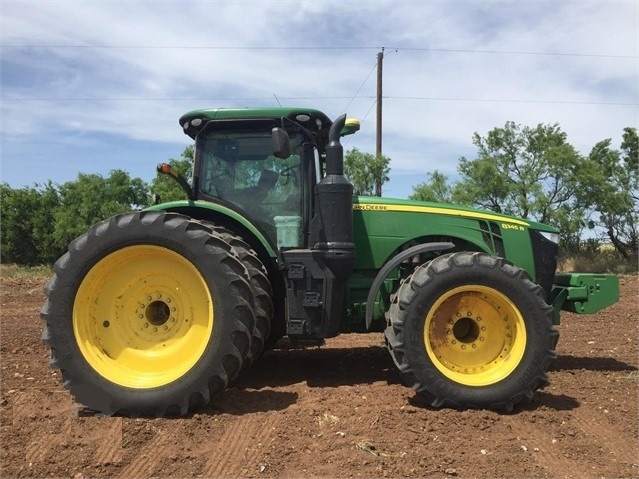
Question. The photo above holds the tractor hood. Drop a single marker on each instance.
(368, 203)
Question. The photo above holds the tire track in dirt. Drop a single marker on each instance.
(33, 409)
(32, 405)
(546, 449)
(146, 460)
(561, 454)
(237, 450)
(109, 440)
(53, 411)
(42, 447)
(606, 436)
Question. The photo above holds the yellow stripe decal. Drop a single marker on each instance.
(436, 211)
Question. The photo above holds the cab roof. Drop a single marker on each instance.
(313, 120)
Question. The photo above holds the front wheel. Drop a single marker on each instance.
(468, 330)
(148, 313)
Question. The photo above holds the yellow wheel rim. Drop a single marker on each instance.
(475, 335)
(143, 316)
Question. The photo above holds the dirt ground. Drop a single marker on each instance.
(335, 411)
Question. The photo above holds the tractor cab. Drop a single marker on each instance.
(263, 163)
(235, 166)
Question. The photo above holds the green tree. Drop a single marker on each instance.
(167, 188)
(27, 219)
(367, 172)
(437, 189)
(526, 172)
(611, 185)
(92, 198)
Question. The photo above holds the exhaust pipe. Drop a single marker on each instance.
(332, 225)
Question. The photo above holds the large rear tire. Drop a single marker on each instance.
(148, 313)
(262, 292)
(469, 330)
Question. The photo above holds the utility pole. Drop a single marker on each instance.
(378, 142)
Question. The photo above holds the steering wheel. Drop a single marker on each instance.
(287, 173)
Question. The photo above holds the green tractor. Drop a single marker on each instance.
(153, 312)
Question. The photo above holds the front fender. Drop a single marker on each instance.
(391, 265)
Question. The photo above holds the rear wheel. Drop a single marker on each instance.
(468, 330)
(148, 313)
(262, 292)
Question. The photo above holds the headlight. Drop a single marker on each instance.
(554, 237)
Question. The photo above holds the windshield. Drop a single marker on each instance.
(239, 168)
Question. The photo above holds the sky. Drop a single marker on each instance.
(93, 86)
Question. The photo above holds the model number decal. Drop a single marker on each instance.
(508, 226)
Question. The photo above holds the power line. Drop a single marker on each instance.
(360, 87)
(416, 98)
(182, 99)
(369, 110)
(191, 47)
(517, 52)
(319, 48)
(505, 100)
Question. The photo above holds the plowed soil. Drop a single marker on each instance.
(338, 410)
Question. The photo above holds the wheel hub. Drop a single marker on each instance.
(155, 317)
(466, 330)
(158, 312)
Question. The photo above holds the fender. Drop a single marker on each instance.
(186, 207)
(392, 264)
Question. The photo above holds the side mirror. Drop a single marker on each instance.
(167, 169)
(281, 143)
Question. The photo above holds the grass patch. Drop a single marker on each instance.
(633, 376)
(597, 261)
(15, 271)
(327, 419)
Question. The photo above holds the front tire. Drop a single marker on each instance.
(148, 313)
(469, 330)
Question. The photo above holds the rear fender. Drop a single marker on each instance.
(205, 210)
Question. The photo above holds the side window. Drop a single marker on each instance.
(240, 169)
(220, 155)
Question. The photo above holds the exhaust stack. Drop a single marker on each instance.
(332, 225)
